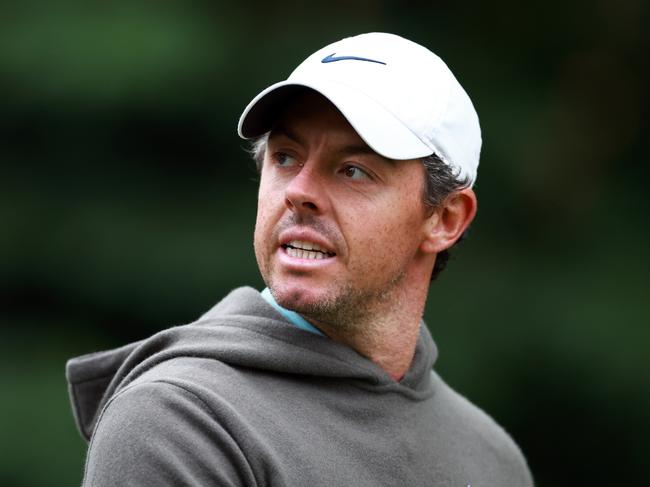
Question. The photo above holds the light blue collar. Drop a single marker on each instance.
(293, 317)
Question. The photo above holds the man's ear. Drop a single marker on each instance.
(448, 222)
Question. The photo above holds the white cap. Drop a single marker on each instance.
(401, 98)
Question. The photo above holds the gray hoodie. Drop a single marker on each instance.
(243, 398)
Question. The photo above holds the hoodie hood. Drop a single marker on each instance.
(243, 330)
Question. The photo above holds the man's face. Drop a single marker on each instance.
(338, 227)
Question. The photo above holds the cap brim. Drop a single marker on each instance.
(378, 127)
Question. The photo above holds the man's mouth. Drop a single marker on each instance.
(301, 249)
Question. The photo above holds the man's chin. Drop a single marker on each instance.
(296, 299)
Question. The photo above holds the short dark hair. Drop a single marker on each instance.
(440, 183)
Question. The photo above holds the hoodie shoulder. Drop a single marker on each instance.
(190, 447)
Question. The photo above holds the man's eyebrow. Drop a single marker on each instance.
(363, 149)
(283, 131)
(356, 149)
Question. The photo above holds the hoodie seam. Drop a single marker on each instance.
(210, 411)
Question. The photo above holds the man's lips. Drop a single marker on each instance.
(304, 249)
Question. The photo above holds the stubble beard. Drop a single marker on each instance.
(348, 310)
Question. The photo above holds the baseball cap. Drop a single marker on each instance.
(401, 99)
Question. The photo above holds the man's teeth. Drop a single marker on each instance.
(301, 249)
(305, 254)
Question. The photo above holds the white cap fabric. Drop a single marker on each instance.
(402, 100)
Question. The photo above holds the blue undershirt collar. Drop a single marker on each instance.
(293, 317)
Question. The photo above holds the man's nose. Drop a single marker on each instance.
(305, 192)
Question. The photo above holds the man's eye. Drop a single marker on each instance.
(285, 160)
(355, 173)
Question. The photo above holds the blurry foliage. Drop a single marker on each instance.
(127, 205)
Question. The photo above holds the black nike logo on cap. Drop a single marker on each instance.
(332, 59)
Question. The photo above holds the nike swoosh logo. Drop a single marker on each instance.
(332, 59)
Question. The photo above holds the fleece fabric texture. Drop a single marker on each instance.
(243, 398)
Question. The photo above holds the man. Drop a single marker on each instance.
(367, 156)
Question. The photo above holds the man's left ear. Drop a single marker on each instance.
(448, 222)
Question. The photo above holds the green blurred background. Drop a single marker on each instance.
(127, 205)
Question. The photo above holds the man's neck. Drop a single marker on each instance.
(388, 336)
(393, 352)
